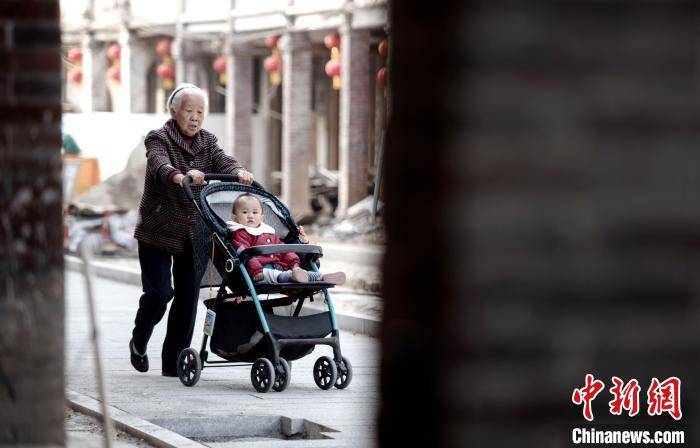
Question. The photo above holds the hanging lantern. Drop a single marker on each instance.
(382, 74)
(164, 47)
(331, 41)
(272, 41)
(75, 75)
(166, 70)
(272, 63)
(333, 68)
(219, 66)
(75, 55)
(114, 73)
(114, 52)
(383, 48)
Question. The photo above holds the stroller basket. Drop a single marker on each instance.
(237, 335)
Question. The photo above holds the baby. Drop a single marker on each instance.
(248, 229)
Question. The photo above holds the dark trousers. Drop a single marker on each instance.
(157, 292)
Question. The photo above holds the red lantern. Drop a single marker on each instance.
(164, 47)
(271, 41)
(75, 55)
(114, 52)
(331, 40)
(114, 73)
(166, 70)
(333, 68)
(220, 64)
(383, 48)
(382, 74)
(75, 75)
(273, 63)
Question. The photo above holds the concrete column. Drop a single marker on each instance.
(124, 101)
(239, 103)
(94, 95)
(136, 57)
(354, 116)
(260, 140)
(142, 55)
(296, 121)
(178, 45)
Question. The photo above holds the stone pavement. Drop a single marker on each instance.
(224, 399)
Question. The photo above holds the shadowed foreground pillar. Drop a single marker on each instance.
(31, 266)
(551, 155)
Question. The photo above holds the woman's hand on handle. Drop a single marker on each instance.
(197, 177)
(245, 177)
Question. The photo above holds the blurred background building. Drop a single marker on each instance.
(296, 87)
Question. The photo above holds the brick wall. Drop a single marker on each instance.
(556, 147)
(31, 265)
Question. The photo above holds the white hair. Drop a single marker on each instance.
(175, 99)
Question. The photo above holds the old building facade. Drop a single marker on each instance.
(266, 65)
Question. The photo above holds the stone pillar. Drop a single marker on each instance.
(354, 113)
(296, 121)
(239, 103)
(260, 140)
(124, 101)
(142, 56)
(178, 46)
(95, 96)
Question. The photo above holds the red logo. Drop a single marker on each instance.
(665, 397)
(626, 397)
(661, 397)
(587, 394)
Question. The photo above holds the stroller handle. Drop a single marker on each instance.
(187, 180)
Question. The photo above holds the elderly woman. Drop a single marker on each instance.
(165, 227)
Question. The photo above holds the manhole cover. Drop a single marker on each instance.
(225, 428)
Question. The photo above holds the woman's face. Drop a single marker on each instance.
(190, 117)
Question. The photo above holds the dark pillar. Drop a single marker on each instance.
(550, 154)
(31, 265)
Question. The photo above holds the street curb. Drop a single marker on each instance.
(353, 322)
(134, 426)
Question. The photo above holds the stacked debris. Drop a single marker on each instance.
(119, 193)
(105, 216)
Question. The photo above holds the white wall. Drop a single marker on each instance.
(111, 136)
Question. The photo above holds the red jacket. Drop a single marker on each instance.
(242, 240)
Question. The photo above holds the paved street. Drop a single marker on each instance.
(223, 394)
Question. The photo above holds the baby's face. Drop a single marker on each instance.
(248, 212)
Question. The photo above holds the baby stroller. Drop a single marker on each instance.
(241, 327)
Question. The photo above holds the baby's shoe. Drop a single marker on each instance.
(299, 275)
(337, 278)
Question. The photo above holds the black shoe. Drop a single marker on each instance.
(166, 372)
(140, 362)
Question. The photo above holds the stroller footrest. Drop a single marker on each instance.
(272, 288)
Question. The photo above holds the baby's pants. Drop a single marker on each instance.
(274, 273)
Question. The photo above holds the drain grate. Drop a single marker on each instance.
(225, 428)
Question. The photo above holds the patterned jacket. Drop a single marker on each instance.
(166, 217)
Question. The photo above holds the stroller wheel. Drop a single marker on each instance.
(282, 376)
(325, 372)
(189, 367)
(344, 373)
(262, 374)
